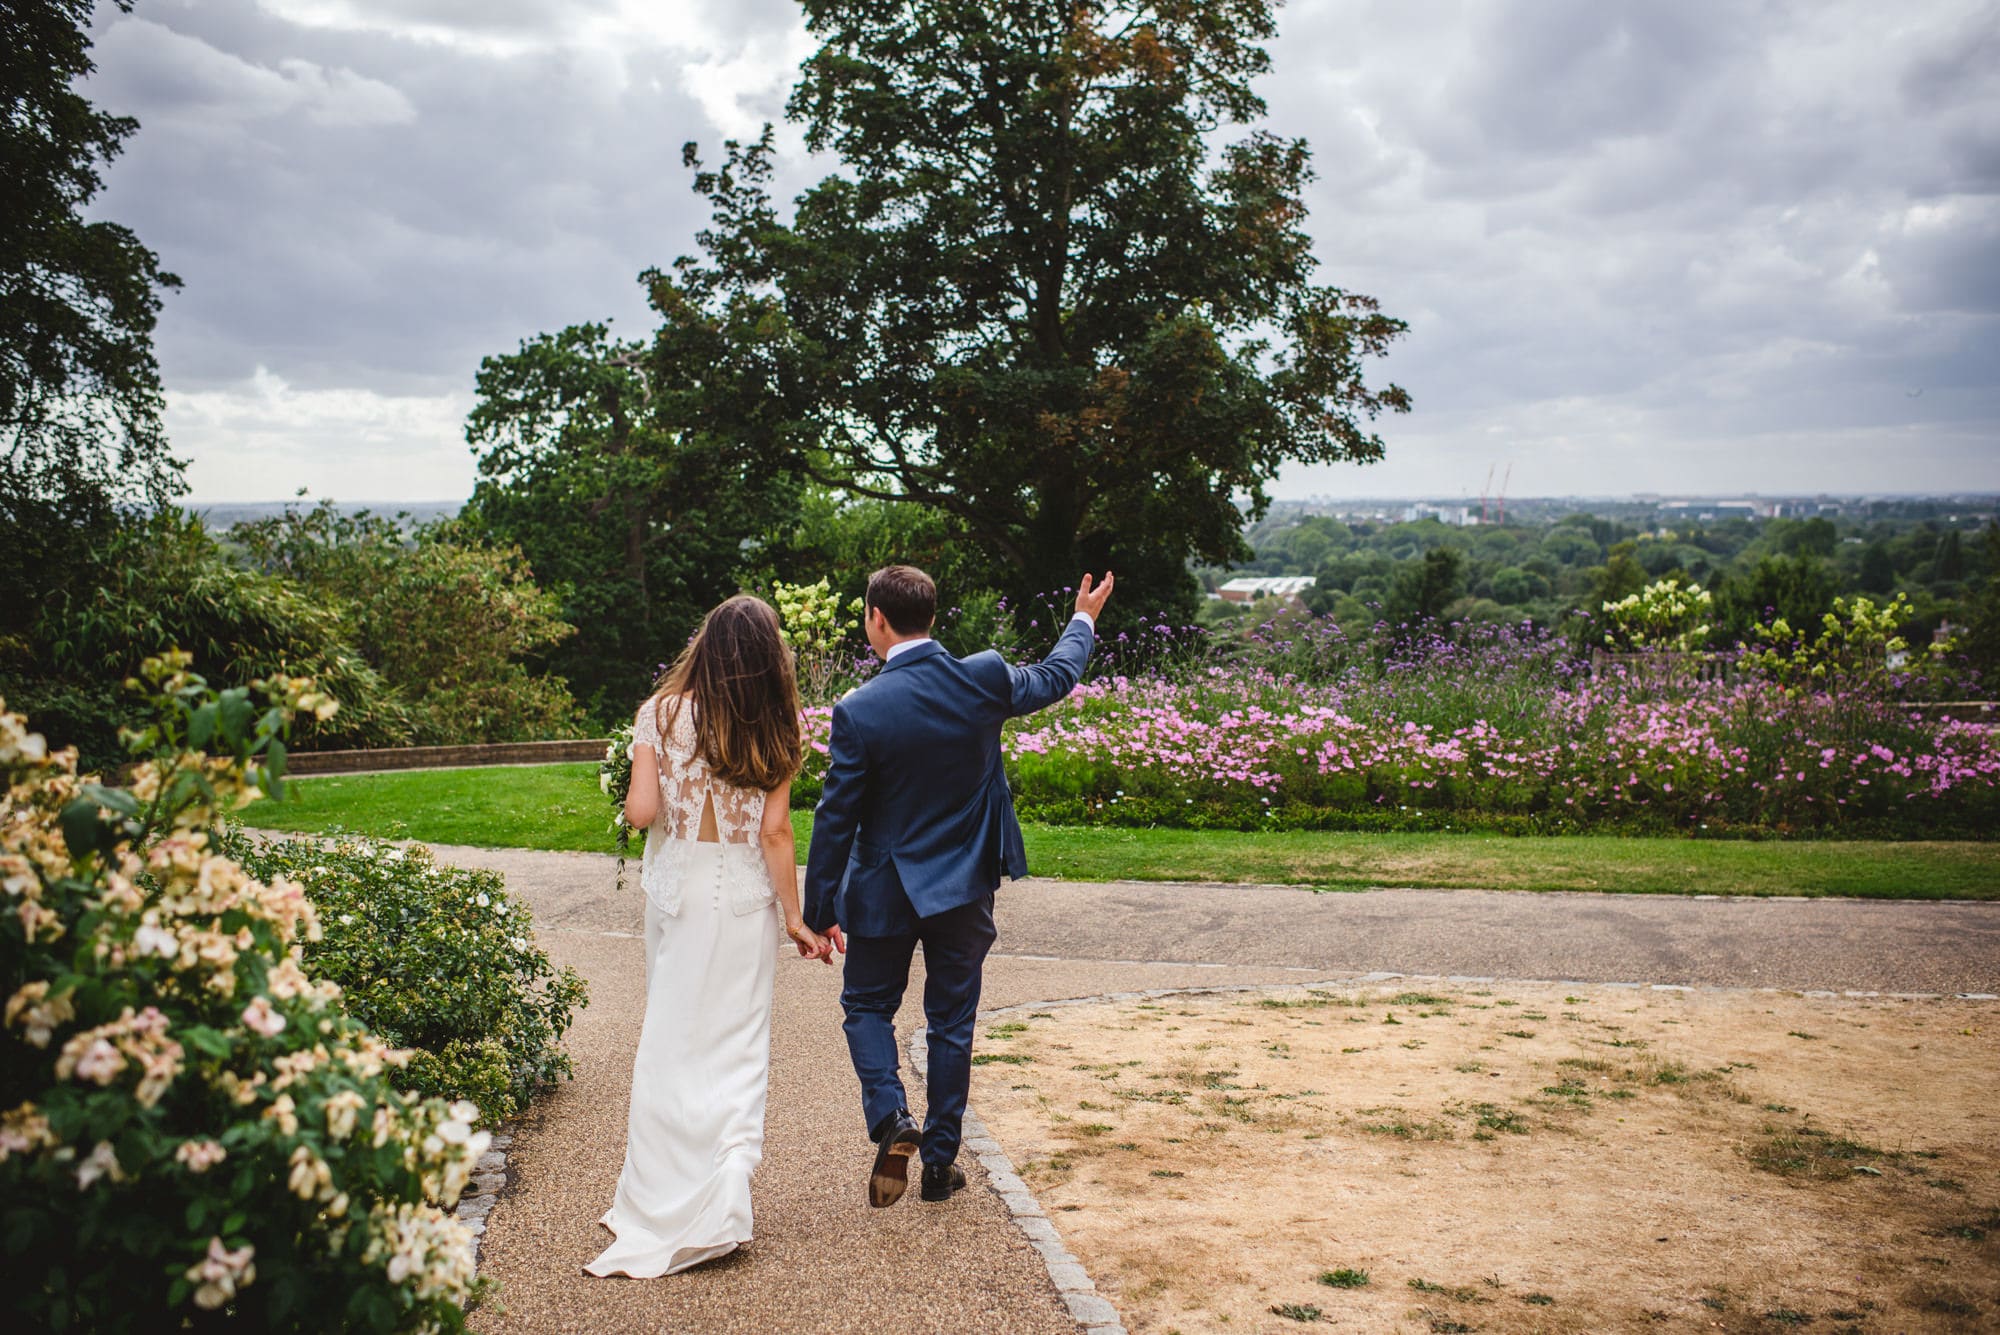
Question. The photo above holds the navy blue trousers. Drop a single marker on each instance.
(877, 972)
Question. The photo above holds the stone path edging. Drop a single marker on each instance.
(489, 1179)
(1093, 1312)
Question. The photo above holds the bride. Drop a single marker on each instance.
(713, 754)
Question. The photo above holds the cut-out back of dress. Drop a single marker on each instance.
(687, 785)
(689, 790)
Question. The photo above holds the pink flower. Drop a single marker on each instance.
(260, 1016)
(198, 1156)
(101, 1062)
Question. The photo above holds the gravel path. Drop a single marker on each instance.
(823, 1261)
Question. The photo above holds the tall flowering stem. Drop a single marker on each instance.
(1663, 615)
(819, 633)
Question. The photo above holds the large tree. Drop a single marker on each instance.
(80, 394)
(80, 404)
(1049, 294)
(596, 460)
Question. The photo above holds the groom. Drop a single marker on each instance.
(914, 828)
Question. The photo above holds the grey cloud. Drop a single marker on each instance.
(173, 78)
(441, 21)
(1696, 216)
(1951, 263)
(1959, 68)
(1554, 76)
(524, 194)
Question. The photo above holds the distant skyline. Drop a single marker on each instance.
(424, 505)
(1693, 249)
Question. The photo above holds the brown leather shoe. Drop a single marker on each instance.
(890, 1177)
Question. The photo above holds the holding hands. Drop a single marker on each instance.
(811, 944)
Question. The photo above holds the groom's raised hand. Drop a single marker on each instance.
(1090, 601)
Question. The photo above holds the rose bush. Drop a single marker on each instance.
(192, 1130)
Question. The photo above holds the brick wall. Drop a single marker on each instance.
(445, 757)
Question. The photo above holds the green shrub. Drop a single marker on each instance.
(192, 1131)
(439, 960)
(165, 580)
(444, 616)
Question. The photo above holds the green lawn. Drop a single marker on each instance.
(559, 807)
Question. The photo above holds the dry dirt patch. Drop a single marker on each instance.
(1514, 1158)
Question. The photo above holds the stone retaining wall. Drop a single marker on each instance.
(445, 757)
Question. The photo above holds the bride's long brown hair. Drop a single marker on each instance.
(737, 672)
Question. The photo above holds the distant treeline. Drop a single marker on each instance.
(1366, 571)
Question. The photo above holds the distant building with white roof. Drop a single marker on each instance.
(1249, 588)
(1458, 516)
(1721, 509)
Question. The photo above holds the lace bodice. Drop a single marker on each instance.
(686, 783)
(687, 786)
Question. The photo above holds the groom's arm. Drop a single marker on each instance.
(1039, 685)
(836, 820)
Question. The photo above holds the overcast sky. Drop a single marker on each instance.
(1700, 246)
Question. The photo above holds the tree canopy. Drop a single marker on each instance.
(80, 397)
(597, 461)
(1047, 294)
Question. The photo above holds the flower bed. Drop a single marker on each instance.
(1501, 729)
(1746, 756)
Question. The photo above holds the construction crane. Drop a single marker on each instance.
(1507, 477)
(1486, 491)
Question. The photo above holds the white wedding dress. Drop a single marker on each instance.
(696, 1129)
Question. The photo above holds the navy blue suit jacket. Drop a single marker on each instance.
(915, 815)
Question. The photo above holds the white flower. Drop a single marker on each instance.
(482, 900)
(101, 1163)
(23, 1130)
(260, 1017)
(307, 1171)
(340, 1113)
(37, 1013)
(421, 1246)
(285, 1113)
(152, 940)
(288, 980)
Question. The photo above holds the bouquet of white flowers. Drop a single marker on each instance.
(614, 778)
